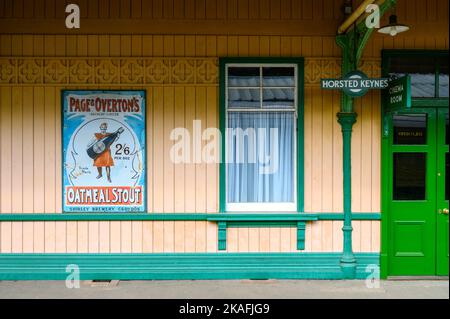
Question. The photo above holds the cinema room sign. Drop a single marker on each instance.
(399, 93)
(104, 157)
(354, 84)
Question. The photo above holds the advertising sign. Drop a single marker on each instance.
(104, 150)
(399, 92)
(354, 84)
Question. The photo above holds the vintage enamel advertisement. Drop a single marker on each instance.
(104, 151)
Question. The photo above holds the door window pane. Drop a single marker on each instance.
(426, 71)
(443, 77)
(422, 71)
(422, 85)
(410, 129)
(443, 85)
(409, 176)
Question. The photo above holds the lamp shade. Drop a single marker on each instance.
(393, 28)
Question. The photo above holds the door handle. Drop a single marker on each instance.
(444, 211)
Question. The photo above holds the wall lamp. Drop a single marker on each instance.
(393, 28)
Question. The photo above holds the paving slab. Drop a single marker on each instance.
(229, 289)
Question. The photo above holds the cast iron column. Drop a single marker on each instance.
(352, 44)
(348, 261)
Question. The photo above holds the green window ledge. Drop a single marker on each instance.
(264, 219)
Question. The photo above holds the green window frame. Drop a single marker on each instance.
(299, 63)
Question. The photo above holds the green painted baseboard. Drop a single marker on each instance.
(236, 218)
(181, 266)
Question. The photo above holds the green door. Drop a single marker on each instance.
(417, 232)
(442, 193)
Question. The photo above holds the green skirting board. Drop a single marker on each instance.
(179, 266)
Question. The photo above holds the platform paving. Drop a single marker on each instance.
(228, 289)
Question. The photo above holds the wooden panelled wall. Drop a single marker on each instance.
(175, 9)
(30, 144)
(407, 10)
(30, 139)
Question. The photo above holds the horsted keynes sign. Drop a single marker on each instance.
(354, 84)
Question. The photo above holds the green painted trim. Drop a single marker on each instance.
(262, 219)
(299, 222)
(222, 236)
(431, 103)
(181, 266)
(385, 158)
(103, 217)
(287, 224)
(301, 136)
(355, 216)
(222, 128)
(301, 227)
(385, 162)
(299, 61)
(280, 217)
